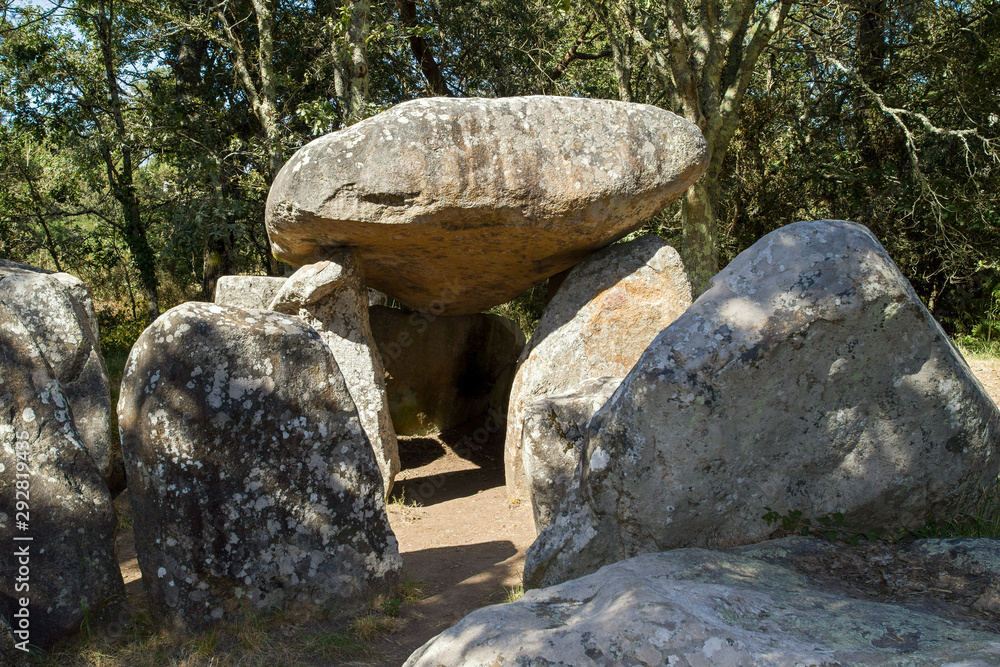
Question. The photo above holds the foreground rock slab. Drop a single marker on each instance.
(444, 371)
(331, 297)
(253, 486)
(808, 377)
(606, 313)
(58, 313)
(789, 603)
(56, 519)
(457, 205)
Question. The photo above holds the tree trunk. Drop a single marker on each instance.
(266, 100)
(121, 181)
(357, 35)
(700, 232)
(407, 10)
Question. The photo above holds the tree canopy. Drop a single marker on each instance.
(138, 140)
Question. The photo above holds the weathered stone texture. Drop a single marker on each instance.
(607, 311)
(253, 292)
(466, 203)
(807, 377)
(554, 429)
(252, 483)
(796, 602)
(51, 489)
(58, 313)
(332, 298)
(444, 371)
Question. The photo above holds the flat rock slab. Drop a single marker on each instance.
(457, 205)
(253, 486)
(808, 377)
(775, 604)
(254, 292)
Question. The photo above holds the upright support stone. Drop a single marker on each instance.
(331, 296)
(607, 311)
(58, 314)
(253, 486)
(56, 520)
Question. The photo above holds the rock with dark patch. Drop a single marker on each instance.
(456, 205)
(444, 371)
(553, 432)
(771, 605)
(253, 485)
(607, 311)
(58, 313)
(255, 292)
(10, 654)
(808, 377)
(56, 520)
(332, 298)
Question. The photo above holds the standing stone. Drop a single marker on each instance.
(469, 202)
(808, 377)
(444, 371)
(606, 312)
(554, 430)
(795, 602)
(51, 490)
(253, 485)
(58, 313)
(332, 298)
(254, 292)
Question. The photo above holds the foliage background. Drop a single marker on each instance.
(138, 140)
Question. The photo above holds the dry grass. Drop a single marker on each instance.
(252, 641)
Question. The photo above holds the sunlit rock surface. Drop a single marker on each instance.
(253, 486)
(606, 313)
(331, 297)
(808, 377)
(58, 313)
(247, 291)
(462, 204)
(795, 602)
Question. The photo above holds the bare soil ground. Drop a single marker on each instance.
(462, 539)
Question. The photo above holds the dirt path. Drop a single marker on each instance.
(458, 534)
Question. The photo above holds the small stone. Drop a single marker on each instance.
(251, 292)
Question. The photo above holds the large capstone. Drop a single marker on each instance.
(807, 378)
(789, 603)
(56, 519)
(445, 371)
(253, 485)
(462, 204)
(58, 313)
(607, 311)
(332, 298)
